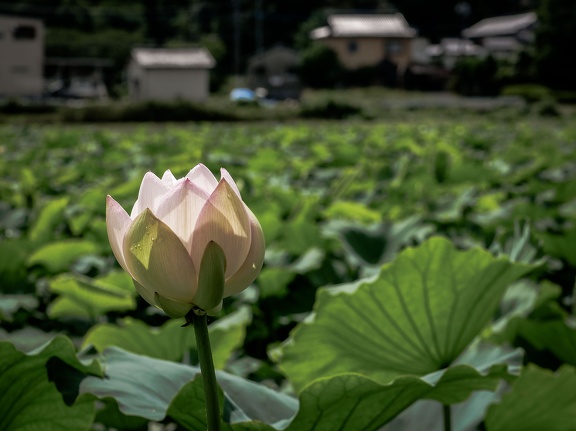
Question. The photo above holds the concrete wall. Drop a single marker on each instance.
(168, 84)
(370, 51)
(21, 56)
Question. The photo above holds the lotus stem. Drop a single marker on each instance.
(200, 323)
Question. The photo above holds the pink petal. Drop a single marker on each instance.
(157, 259)
(251, 267)
(168, 178)
(117, 223)
(152, 189)
(224, 174)
(201, 176)
(180, 208)
(224, 220)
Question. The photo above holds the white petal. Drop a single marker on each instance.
(224, 174)
(201, 176)
(168, 178)
(224, 220)
(252, 266)
(151, 191)
(180, 208)
(117, 223)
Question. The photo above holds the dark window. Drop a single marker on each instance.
(352, 46)
(393, 47)
(24, 32)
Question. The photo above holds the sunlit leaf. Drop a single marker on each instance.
(171, 341)
(416, 317)
(58, 256)
(81, 296)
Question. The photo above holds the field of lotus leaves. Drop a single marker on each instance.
(418, 276)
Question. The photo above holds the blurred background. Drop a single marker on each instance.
(264, 52)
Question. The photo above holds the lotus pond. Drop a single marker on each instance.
(418, 276)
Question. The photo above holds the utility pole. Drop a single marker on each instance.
(258, 27)
(237, 32)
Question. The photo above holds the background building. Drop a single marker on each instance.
(21, 56)
(170, 74)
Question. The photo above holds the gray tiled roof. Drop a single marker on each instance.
(389, 25)
(170, 58)
(501, 25)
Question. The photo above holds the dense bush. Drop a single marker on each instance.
(320, 67)
(330, 109)
(145, 112)
(476, 77)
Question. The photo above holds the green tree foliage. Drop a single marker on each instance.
(320, 67)
(555, 41)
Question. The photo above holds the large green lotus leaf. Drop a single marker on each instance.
(151, 394)
(354, 402)
(171, 341)
(85, 297)
(29, 401)
(415, 317)
(58, 256)
(42, 230)
(188, 409)
(538, 400)
(555, 336)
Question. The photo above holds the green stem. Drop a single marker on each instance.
(207, 371)
(447, 417)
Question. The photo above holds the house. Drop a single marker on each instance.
(368, 40)
(22, 56)
(450, 50)
(276, 71)
(503, 36)
(169, 73)
(76, 78)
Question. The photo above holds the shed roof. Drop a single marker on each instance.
(501, 25)
(386, 25)
(173, 58)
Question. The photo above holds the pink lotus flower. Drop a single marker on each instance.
(178, 235)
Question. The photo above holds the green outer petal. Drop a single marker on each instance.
(173, 309)
(224, 220)
(157, 259)
(211, 277)
(145, 293)
(252, 266)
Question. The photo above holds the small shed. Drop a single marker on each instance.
(21, 56)
(170, 74)
(275, 70)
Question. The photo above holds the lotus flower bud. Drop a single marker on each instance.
(188, 242)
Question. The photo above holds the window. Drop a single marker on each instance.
(24, 32)
(352, 46)
(393, 47)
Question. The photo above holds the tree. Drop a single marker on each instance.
(555, 41)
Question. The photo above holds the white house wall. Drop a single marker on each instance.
(173, 84)
(21, 60)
